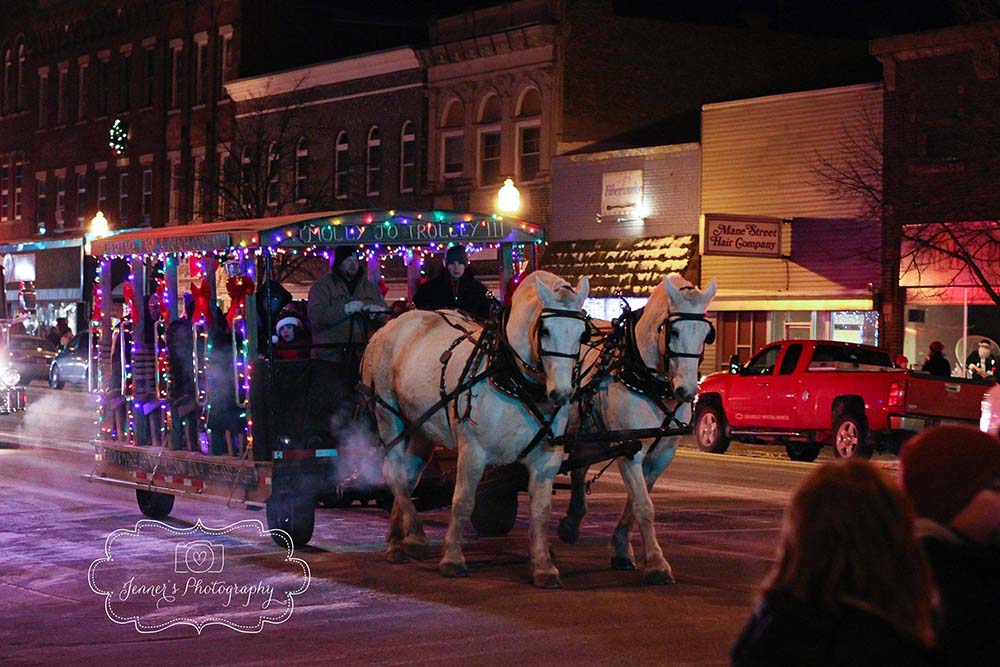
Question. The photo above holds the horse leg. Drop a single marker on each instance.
(657, 570)
(415, 544)
(569, 525)
(403, 521)
(469, 471)
(544, 573)
(622, 556)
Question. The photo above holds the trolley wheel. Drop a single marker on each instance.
(710, 429)
(850, 437)
(154, 504)
(496, 509)
(802, 451)
(294, 514)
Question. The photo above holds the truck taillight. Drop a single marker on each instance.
(897, 394)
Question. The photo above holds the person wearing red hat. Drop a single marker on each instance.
(952, 474)
(936, 363)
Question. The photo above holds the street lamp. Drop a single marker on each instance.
(508, 198)
(99, 225)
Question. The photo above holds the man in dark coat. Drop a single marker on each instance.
(981, 363)
(952, 473)
(454, 288)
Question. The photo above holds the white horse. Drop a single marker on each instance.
(670, 337)
(403, 364)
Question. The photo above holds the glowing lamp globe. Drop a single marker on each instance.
(99, 225)
(508, 199)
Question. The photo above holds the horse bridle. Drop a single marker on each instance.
(668, 324)
(540, 351)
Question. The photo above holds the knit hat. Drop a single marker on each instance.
(943, 468)
(456, 253)
(937, 346)
(343, 252)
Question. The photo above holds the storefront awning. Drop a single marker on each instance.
(629, 266)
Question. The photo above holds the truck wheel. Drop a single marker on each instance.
(153, 504)
(294, 514)
(495, 511)
(802, 451)
(710, 429)
(850, 437)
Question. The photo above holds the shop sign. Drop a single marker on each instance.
(621, 194)
(741, 235)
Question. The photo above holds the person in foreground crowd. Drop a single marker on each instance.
(454, 287)
(952, 473)
(850, 585)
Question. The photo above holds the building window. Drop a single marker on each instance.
(18, 189)
(198, 205)
(81, 197)
(373, 163)
(148, 75)
(244, 176)
(81, 100)
(273, 177)
(123, 198)
(60, 202)
(301, 170)
(103, 80)
(529, 152)
(223, 205)
(43, 94)
(174, 190)
(224, 60)
(40, 202)
(489, 157)
(102, 193)
(176, 63)
(147, 195)
(4, 190)
(201, 73)
(341, 168)
(126, 82)
(407, 159)
(61, 96)
(8, 81)
(453, 152)
(22, 83)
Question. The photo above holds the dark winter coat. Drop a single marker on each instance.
(441, 292)
(937, 364)
(988, 365)
(968, 580)
(788, 631)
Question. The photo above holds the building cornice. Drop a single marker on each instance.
(485, 46)
(323, 74)
(979, 40)
(801, 95)
(645, 152)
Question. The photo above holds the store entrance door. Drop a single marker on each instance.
(741, 333)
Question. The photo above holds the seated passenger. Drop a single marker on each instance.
(292, 341)
(454, 287)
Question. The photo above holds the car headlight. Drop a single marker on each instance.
(10, 377)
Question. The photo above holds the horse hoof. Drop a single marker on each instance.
(454, 570)
(569, 531)
(620, 563)
(547, 580)
(395, 556)
(416, 550)
(659, 577)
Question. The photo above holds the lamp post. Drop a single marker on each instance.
(508, 198)
(509, 203)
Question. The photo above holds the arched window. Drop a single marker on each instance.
(490, 114)
(301, 169)
(529, 134)
(453, 140)
(8, 80)
(407, 158)
(373, 176)
(341, 167)
(273, 177)
(22, 83)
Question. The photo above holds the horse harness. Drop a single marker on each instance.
(505, 370)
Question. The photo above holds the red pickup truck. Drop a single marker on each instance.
(806, 393)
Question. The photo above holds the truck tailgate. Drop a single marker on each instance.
(948, 398)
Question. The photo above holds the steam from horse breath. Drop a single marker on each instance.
(359, 452)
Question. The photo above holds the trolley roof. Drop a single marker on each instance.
(360, 227)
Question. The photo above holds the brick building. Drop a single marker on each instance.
(941, 156)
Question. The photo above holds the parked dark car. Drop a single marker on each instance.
(31, 356)
(70, 365)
